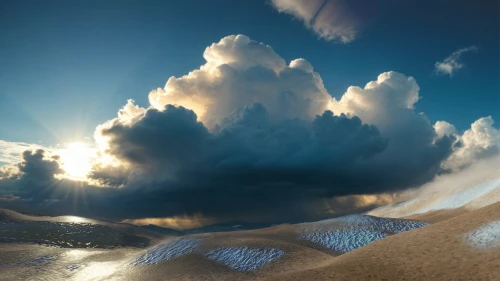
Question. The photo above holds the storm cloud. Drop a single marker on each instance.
(248, 134)
(246, 151)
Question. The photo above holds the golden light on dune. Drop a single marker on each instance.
(77, 160)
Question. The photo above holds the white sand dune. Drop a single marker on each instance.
(473, 188)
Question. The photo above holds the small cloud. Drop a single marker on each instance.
(330, 20)
(444, 128)
(451, 64)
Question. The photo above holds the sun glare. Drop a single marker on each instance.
(76, 160)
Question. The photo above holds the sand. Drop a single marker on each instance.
(437, 216)
(435, 252)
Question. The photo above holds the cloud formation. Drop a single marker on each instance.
(415, 150)
(331, 20)
(481, 141)
(38, 172)
(239, 72)
(452, 64)
(10, 152)
(246, 149)
(248, 134)
(247, 129)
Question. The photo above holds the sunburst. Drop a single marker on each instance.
(77, 160)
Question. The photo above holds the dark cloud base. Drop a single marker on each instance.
(246, 168)
(267, 148)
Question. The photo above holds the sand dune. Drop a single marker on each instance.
(239, 255)
(436, 252)
(471, 189)
(71, 232)
(459, 244)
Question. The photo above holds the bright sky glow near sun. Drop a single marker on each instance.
(254, 109)
(77, 159)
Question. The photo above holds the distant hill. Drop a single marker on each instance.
(228, 227)
(162, 230)
(71, 232)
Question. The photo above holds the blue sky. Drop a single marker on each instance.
(67, 66)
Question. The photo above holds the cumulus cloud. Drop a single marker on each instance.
(247, 163)
(9, 181)
(34, 178)
(452, 64)
(38, 171)
(415, 150)
(37, 166)
(481, 141)
(238, 147)
(444, 128)
(9, 171)
(246, 149)
(331, 20)
(248, 134)
(157, 141)
(239, 72)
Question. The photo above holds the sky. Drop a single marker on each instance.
(98, 54)
(241, 105)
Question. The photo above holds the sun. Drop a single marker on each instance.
(76, 160)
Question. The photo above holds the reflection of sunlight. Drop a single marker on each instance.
(77, 254)
(76, 160)
(97, 271)
(74, 219)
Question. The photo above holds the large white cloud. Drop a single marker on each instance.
(239, 72)
(330, 19)
(379, 101)
(415, 149)
(261, 115)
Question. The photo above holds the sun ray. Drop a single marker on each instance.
(77, 159)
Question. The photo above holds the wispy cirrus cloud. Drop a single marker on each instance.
(331, 20)
(452, 64)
